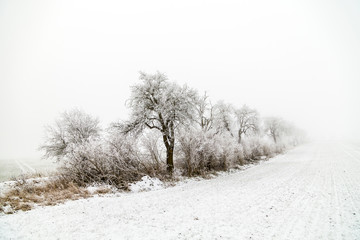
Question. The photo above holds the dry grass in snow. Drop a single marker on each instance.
(24, 194)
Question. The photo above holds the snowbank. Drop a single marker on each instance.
(146, 184)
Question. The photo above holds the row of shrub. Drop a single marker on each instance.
(203, 152)
(119, 160)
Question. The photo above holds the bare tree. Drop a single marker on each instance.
(205, 113)
(247, 121)
(274, 127)
(158, 104)
(71, 130)
(223, 119)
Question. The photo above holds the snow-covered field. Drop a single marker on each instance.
(312, 192)
(14, 167)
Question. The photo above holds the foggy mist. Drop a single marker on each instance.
(296, 60)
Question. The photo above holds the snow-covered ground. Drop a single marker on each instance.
(312, 192)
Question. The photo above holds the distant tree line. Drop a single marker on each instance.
(171, 127)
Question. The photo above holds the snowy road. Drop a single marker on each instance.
(312, 192)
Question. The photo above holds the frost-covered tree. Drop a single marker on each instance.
(274, 127)
(71, 130)
(159, 104)
(223, 118)
(205, 113)
(247, 120)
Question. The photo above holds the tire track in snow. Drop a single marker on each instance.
(352, 194)
(20, 166)
(24, 167)
(299, 206)
(29, 167)
(313, 217)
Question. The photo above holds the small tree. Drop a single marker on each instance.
(223, 118)
(205, 113)
(274, 127)
(160, 105)
(70, 131)
(247, 121)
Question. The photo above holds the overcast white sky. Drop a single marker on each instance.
(296, 59)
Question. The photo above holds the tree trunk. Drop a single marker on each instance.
(239, 139)
(170, 159)
(274, 137)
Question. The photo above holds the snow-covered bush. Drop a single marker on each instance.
(117, 160)
(201, 152)
(114, 161)
(91, 163)
(257, 147)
